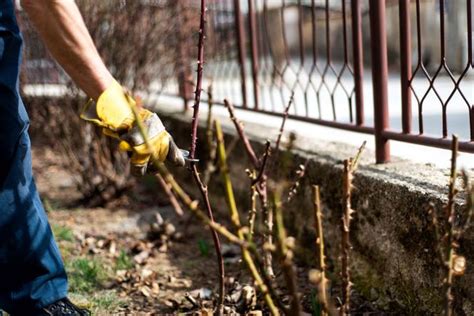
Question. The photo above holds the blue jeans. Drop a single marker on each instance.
(32, 273)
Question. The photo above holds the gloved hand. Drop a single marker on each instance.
(113, 112)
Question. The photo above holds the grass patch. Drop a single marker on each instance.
(51, 205)
(203, 247)
(100, 303)
(106, 302)
(315, 305)
(124, 262)
(63, 233)
(48, 207)
(86, 275)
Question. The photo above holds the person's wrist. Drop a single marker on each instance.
(103, 82)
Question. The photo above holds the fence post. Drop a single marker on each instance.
(405, 64)
(239, 29)
(358, 60)
(254, 50)
(378, 43)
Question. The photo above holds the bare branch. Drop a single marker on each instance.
(261, 172)
(450, 212)
(355, 160)
(285, 252)
(253, 209)
(200, 67)
(283, 122)
(240, 130)
(261, 186)
(318, 225)
(235, 218)
(194, 169)
(172, 198)
(345, 238)
(224, 169)
(300, 173)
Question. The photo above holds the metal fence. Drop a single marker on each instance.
(396, 69)
(347, 66)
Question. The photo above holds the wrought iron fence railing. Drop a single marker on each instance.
(397, 69)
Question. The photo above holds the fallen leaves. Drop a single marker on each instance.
(146, 269)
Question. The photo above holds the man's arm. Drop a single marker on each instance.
(62, 28)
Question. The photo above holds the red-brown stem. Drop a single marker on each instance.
(194, 169)
(261, 172)
(174, 202)
(318, 226)
(283, 122)
(200, 67)
(215, 237)
(345, 238)
(451, 214)
(238, 126)
(261, 186)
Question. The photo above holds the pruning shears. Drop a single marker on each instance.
(185, 154)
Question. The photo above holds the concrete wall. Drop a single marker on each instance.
(394, 264)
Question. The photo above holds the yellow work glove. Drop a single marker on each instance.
(113, 112)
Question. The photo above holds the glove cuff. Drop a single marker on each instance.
(113, 109)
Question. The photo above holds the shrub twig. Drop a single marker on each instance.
(350, 166)
(283, 122)
(345, 238)
(318, 225)
(240, 130)
(448, 245)
(261, 187)
(253, 205)
(451, 215)
(261, 172)
(202, 187)
(285, 247)
(193, 206)
(224, 170)
(299, 174)
(172, 198)
(235, 218)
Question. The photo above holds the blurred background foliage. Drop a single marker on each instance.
(142, 44)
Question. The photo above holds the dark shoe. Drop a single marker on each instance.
(63, 307)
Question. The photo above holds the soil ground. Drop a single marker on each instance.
(114, 266)
(137, 257)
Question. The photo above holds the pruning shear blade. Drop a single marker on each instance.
(185, 154)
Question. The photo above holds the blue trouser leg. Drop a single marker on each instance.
(32, 273)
